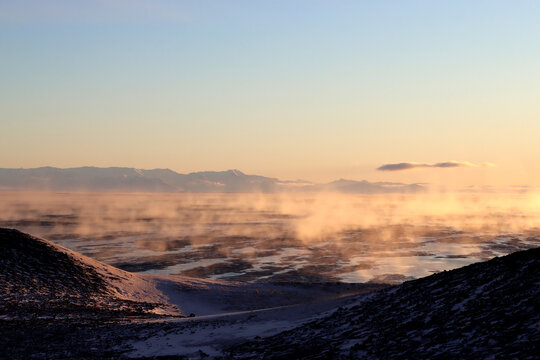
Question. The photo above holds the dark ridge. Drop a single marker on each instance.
(37, 279)
(30, 266)
(122, 179)
(484, 310)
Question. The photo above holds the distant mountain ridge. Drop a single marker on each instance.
(124, 179)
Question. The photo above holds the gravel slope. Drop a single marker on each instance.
(485, 310)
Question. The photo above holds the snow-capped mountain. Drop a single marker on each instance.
(123, 179)
(366, 187)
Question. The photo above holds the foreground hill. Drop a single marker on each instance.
(39, 278)
(56, 303)
(484, 310)
(123, 179)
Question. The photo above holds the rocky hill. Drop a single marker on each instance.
(488, 310)
(40, 278)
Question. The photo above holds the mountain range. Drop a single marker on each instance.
(124, 179)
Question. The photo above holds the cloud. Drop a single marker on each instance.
(399, 166)
(413, 165)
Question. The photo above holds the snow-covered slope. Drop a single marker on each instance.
(39, 277)
(485, 310)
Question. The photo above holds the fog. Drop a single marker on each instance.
(275, 237)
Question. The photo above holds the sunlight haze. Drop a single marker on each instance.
(314, 90)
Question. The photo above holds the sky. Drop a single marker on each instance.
(315, 90)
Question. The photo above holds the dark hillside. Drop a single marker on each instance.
(484, 310)
(39, 278)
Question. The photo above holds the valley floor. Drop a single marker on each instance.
(139, 337)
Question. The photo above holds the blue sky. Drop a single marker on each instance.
(295, 89)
